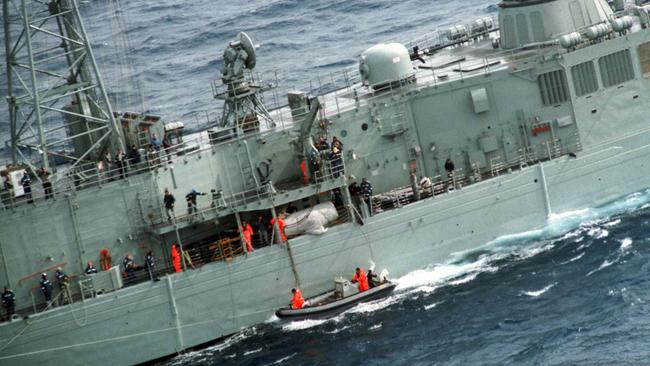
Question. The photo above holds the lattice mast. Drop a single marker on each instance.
(56, 96)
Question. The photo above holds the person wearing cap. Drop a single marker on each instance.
(191, 201)
(297, 301)
(90, 269)
(46, 287)
(9, 302)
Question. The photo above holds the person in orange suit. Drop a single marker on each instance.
(247, 233)
(281, 226)
(105, 259)
(176, 257)
(297, 300)
(360, 277)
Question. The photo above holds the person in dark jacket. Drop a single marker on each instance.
(150, 264)
(90, 269)
(191, 201)
(46, 287)
(365, 191)
(26, 182)
(169, 201)
(62, 278)
(9, 302)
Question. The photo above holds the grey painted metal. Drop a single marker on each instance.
(483, 108)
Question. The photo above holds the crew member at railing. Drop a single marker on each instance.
(281, 226)
(336, 143)
(47, 185)
(169, 201)
(46, 287)
(365, 191)
(134, 156)
(149, 264)
(90, 269)
(26, 182)
(247, 234)
(191, 201)
(155, 142)
(426, 185)
(414, 186)
(322, 144)
(61, 278)
(449, 168)
(260, 228)
(129, 267)
(9, 302)
(120, 162)
(336, 162)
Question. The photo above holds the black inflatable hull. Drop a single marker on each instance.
(335, 307)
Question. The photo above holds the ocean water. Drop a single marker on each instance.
(573, 293)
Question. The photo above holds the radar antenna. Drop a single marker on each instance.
(52, 73)
(243, 106)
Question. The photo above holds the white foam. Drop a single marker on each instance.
(338, 330)
(539, 292)
(284, 359)
(438, 274)
(431, 306)
(252, 351)
(303, 324)
(625, 243)
(612, 223)
(372, 306)
(605, 264)
(575, 258)
(376, 326)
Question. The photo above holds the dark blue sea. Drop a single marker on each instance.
(575, 292)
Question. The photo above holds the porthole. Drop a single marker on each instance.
(364, 126)
(344, 133)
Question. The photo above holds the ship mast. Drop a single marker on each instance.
(243, 107)
(57, 100)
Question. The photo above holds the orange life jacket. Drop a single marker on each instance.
(362, 279)
(281, 226)
(176, 259)
(297, 301)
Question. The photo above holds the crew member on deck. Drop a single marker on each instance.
(62, 278)
(90, 268)
(9, 302)
(360, 277)
(281, 226)
(373, 280)
(176, 257)
(46, 287)
(297, 300)
(247, 234)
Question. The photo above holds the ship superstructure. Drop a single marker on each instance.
(542, 110)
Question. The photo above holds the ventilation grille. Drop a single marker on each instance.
(553, 87)
(616, 68)
(584, 78)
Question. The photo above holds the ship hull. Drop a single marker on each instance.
(157, 319)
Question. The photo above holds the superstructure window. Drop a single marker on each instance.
(553, 87)
(584, 78)
(616, 68)
(644, 58)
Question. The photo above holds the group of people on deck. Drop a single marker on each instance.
(365, 282)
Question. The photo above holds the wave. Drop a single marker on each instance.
(539, 292)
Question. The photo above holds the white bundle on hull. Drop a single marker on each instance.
(313, 220)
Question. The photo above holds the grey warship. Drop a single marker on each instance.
(540, 111)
